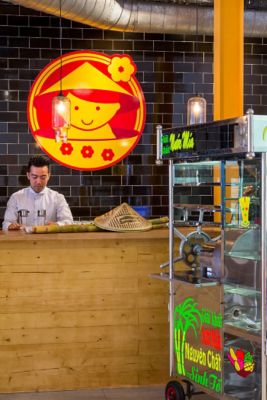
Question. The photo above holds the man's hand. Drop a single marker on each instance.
(14, 226)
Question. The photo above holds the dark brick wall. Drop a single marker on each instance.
(171, 68)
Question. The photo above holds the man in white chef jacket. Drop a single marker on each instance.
(37, 197)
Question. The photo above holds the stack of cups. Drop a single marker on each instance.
(41, 215)
(22, 217)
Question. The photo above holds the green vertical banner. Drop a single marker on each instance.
(198, 342)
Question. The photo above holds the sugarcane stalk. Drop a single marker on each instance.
(65, 228)
(157, 223)
(161, 220)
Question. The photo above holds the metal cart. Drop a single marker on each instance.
(217, 272)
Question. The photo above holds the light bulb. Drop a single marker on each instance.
(61, 117)
(196, 110)
(61, 112)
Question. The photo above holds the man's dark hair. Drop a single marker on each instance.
(38, 161)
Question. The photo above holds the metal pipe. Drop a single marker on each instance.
(140, 16)
(250, 154)
(159, 145)
(171, 270)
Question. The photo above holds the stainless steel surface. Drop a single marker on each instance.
(250, 153)
(159, 155)
(210, 260)
(171, 16)
(171, 270)
(263, 271)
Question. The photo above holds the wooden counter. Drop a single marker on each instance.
(81, 311)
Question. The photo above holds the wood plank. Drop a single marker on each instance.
(150, 377)
(153, 347)
(20, 358)
(80, 301)
(153, 315)
(98, 335)
(67, 319)
(85, 270)
(65, 379)
(51, 285)
(120, 371)
(84, 255)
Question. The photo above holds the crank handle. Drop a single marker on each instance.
(166, 264)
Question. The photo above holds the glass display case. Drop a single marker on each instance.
(217, 274)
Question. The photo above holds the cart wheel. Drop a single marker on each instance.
(174, 391)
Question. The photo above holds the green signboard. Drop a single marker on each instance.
(176, 142)
(198, 344)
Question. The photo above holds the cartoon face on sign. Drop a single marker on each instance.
(107, 109)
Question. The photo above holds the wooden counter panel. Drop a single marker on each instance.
(82, 313)
(22, 236)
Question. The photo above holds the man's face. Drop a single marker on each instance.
(38, 177)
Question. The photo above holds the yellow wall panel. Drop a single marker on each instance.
(228, 58)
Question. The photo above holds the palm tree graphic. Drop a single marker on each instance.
(186, 316)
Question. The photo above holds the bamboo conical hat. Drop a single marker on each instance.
(122, 219)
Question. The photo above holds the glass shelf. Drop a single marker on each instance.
(197, 174)
(243, 255)
(197, 207)
(182, 223)
(238, 227)
(241, 290)
(243, 333)
(242, 309)
(193, 182)
(188, 279)
(242, 243)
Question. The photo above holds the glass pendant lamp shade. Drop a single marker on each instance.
(60, 103)
(61, 112)
(61, 117)
(196, 110)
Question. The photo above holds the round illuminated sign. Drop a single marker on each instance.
(107, 109)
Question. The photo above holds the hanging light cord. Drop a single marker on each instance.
(197, 21)
(60, 44)
(197, 5)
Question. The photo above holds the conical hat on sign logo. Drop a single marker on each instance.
(122, 219)
(87, 77)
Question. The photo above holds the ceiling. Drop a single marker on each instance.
(150, 16)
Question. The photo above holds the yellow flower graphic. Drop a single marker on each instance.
(121, 69)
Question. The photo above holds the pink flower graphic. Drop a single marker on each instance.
(66, 149)
(87, 151)
(107, 154)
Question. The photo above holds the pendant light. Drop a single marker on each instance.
(197, 105)
(60, 103)
(196, 110)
